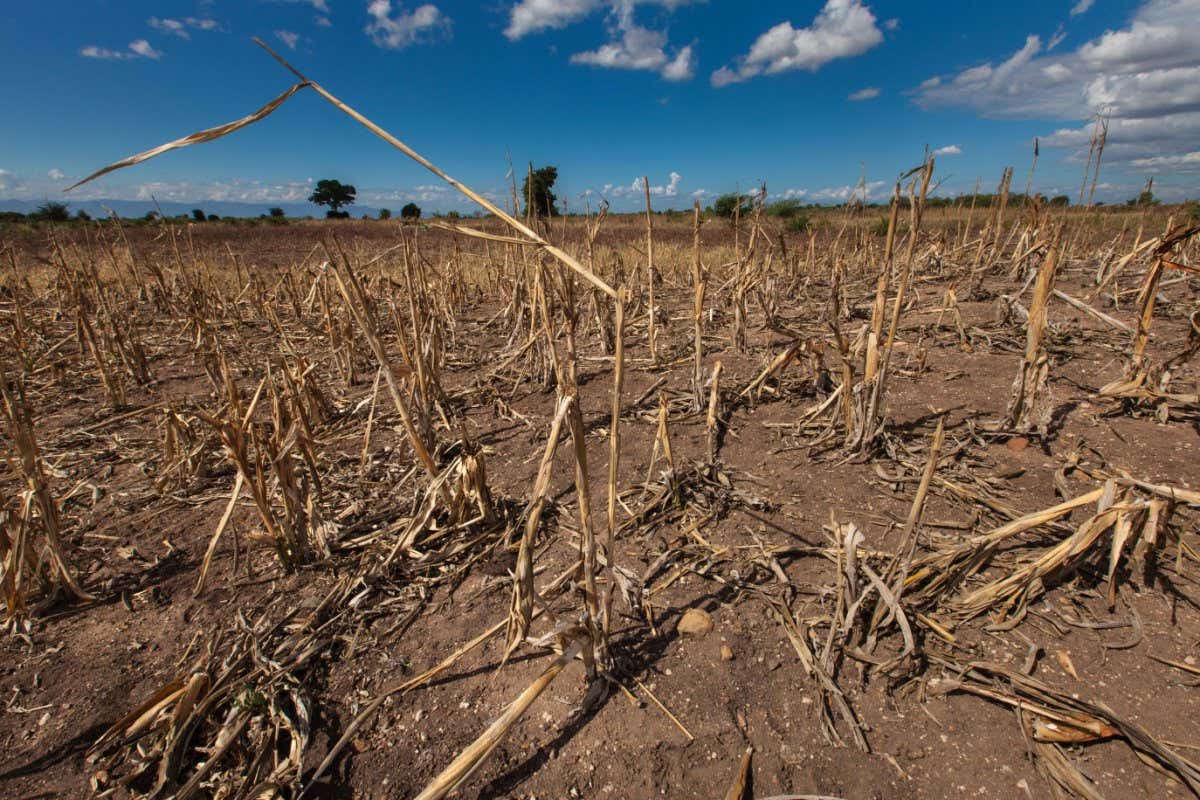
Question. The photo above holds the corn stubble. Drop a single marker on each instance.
(303, 468)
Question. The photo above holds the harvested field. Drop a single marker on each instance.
(597, 507)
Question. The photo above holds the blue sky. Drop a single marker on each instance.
(703, 97)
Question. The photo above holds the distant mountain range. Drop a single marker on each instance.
(139, 208)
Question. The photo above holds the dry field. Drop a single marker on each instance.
(374, 510)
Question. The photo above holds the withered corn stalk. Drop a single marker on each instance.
(1030, 404)
(23, 559)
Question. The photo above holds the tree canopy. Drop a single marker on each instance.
(335, 194)
(537, 192)
(410, 211)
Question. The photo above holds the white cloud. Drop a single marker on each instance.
(948, 150)
(1081, 7)
(323, 22)
(138, 48)
(395, 32)
(318, 5)
(869, 93)
(892, 24)
(843, 28)
(1189, 162)
(179, 28)
(534, 16)
(55, 174)
(635, 47)
(638, 188)
(172, 26)
(144, 49)
(1145, 77)
(289, 38)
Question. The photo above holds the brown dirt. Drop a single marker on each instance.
(83, 666)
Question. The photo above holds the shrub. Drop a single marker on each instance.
(410, 211)
(728, 204)
(385, 213)
(52, 212)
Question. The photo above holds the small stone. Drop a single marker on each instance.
(1017, 444)
(726, 653)
(695, 622)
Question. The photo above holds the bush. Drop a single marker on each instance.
(276, 212)
(385, 213)
(727, 205)
(880, 228)
(1060, 201)
(198, 215)
(799, 223)
(52, 212)
(410, 212)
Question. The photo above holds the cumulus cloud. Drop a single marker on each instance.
(401, 29)
(635, 47)
(139, 48)
(869, 93)
(637, 188)
(317, 5)
(1145, 77)
(289, 38)
(948, 150)
(843, 28)
(55, 174)
(182, 27)
(143, 48)
(534, 16)
(1189, 162)
(873, 190)
(172, 26)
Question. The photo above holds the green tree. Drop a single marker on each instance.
(1146, 198)
(198, 215)
(214, 218)
(385, 213)
(334, 194)
(83, 216)
(1060, 201)
(410, 211)
(538, 191)
(52, 212)
(727, 204)
(276, 212)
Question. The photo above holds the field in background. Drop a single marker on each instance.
(367, 509)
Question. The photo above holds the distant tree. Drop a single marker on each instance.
(276, 212)
(784, 209)
(385, 213)
(83, 216)
(537, 190)
(11, 216)
(453, 215)
(214, 218)
(1060, 201)
(151, 216)
(1146, 198)
(334, 194)
(727, 204)
(52, 212)
(410, 211)
(198, 215)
